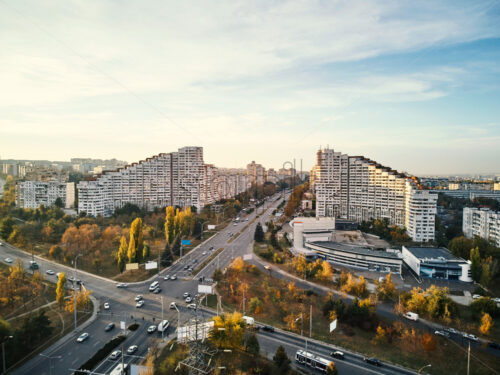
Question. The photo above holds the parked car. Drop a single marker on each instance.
(186, 267)
(116, 354)
(452, 330)
(268, 328)
(106, 306)
(337, 354)
(50, 272)
(373, 361)
(189, 300)
(109, 327)
(470, 336)
(476, 296)
(132, 349)
(140, 303)
(121, 285)
(84, 336)
(496, 300)
(204, 253)
(442, 333)
(157, 290)
(211, 248)
(190, 269)
(8, 260)
(138, 298)
(191, 306)
(167, 277)
(152, 329)
(173, 305)
(185, 295)
(174, 277)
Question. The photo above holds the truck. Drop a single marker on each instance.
(33, 265)
(411, 316)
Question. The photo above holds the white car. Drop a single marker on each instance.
(442, 333)
(8, 260)
(472, 337)
(140, 303)
(185, 295)
(132, 349)
(152, 329)
(167, 277)
(84, 336)
(189, 300)
(121, 285)
(496, 300)
(50, 272)
(174, 277)
(115, 354)
(476, 296)
(106, 306)
(191, 306)
(204, 253)
(173, 305)
(138, 298)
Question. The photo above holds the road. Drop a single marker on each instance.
(71, 355)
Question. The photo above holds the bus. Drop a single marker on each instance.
(118, 370)
(310, 360)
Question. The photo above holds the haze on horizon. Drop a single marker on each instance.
(414, 86)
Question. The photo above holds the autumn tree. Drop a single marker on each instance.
(331, 369)
(486, 324)
(55, 252)
(136, 243)
(228, 330)
(326, 272)
(60, 290)
(82, 301)
(169, 224)
(145, 251)
(428, 342)
(238, 264)
(121, 256)
(385, 289)
(255, 305)
(380, 336)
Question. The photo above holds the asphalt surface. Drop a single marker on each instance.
(70, 354)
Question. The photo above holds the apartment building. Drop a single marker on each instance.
(178, 178)
(359, 189)
(32, 194)
(482, 222)
(257, 173)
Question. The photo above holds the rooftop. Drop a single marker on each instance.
(433, 253)
(354, 249)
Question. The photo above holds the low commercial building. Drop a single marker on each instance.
(357, 257)
(436, 263)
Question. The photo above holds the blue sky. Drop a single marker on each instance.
(412, 85)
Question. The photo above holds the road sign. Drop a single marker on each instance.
(333, 325)
(122, 325)
(247, 257)
(210, 227)
(205, 289)
(151, 265)
(185, 242)
(132, 266)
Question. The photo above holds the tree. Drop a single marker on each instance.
(238, 264)
(255, 305)
(252, 344)
(232, 333)
(176, 247)
(218, 275)
(169, 224)
(166, 256)
(6, 227)
(428, 342)
(55, 252)
(122, 254)
(131, 254)
(381, 335)
(331, 369)
(326, 272)
(460, 247)
(259, 233)
(486, 324)
(58, 202)
(475, 267)
(5, 330)
(484, 305)
(281, 360)
(60, 290)
(489, 268)
(136, 242)
(386, 289)
(145, 251)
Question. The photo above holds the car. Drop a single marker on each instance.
(191, 306)
(1, 244)
(211, 248)
(106, 306)
(173, 305)
(132, 349)
(186, 267)
(140, 303)
(167, 277)
(476, 296)
(494, 345)
(190, 269)
(235, 224)
(373, 361)
(174, 277)
(138, 298)
(84, 336)
(267, 267)
(50, 272)
(472, 337)
(189, 300)
(496, 300)
(204, 253)
(452, 330)
(185, 295)
(152, 329)
(154, 285)
(337, 354)
(157, 290)
(109, 327)
(116, 354)
(442, 333)
(8, 260)
(246, 219)
(195, 260)
(268, 328)
(121, 285)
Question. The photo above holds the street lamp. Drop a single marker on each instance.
(50, 361)
(3, 352)
(178, 317)
(301, 317)
(74, 285)
(420, 371)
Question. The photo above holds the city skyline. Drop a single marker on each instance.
(355, 77)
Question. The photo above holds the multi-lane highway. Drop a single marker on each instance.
(70, 355)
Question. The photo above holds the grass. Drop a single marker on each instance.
(278, 302)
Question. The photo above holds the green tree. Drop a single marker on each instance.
(166, 256)
(252, 344)
(460, 247)
(58, 202)
(259, 233)
(135, 253)
(281, 360)
(60, 290)
(176, 247)
(5, 330)
(218, 275)
(145, 251)
(6, 227)
(475, 267)
(488, 270)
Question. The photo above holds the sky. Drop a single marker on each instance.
(414, 85)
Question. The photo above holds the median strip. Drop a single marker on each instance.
(207, 261)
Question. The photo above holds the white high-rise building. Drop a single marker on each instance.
(359, 189)
(169, 179)
(32, 194)
(481, 222)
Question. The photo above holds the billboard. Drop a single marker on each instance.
(151, 265)
(194, 332)
(205, 289)
(333, 325)
(186, 242)
(247, 256)
(210, 227)
(132, 266)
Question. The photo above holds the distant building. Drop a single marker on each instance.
(436, 263)
(481, 222)
(496, 186)
(256, 173)
(470, 194)
(306, 204)
(32, 194)
(70, 195)
(359, 189)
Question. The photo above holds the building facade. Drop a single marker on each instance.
(481, 222)
(256, 173)
(359, 189)
(32, 194)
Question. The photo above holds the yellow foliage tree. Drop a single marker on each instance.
(238, 264)
(326, 272)
(82, 301)
(386, 288)
(486, 324)
(169, 224)
(428, 342)
(228, 330)
(60, 290)
(380, 336)
(417, 301)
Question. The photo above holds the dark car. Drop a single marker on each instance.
(268, 328)
(494, 345)
(337, 354)
(373, 361)
(157, 290)
(109, 327)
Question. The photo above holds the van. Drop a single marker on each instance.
(249, 320)
(154, 285)
(411, 316)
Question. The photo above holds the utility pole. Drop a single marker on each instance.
(310, 320)
(243, 301)
(163, 328)
(74, 285)
(468, 360)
